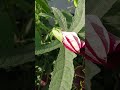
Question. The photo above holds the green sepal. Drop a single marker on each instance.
(57, 33)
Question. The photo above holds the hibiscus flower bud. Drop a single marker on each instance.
(102, 47)
(72, 42)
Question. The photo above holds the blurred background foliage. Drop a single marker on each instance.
(111, 19)
(16, 44)
(109, 13)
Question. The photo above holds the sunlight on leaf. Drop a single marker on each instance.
(63, 73)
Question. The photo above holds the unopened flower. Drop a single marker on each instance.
(72, 42)
(100, 44)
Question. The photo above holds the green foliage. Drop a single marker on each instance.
(60, 18)
(20, 56)
(99, 8)
(57, 33)
(58, 65)
(78, 21)
(61, 68)
(76, 3)
(81, 33)
(47, 48)
(112, 19)
(16, 21)
(68, 17)
(37, 38)
(63, 73)
(76, 25)
(43, 6)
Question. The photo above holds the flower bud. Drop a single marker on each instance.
(72, 42)
(101, 46)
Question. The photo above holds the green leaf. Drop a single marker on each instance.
(41, 25)
(63, 73)
(91, 70)
(81, 33)
(47, 48)
(79, 18)
(44, 5)
(37, 39)
(68, 17)
(99, 8)
(111, 19)
(20, 56)
(60, 18)
(76, 3)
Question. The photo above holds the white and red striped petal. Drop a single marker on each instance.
(97, 38)
(99, 42)
(72, 42)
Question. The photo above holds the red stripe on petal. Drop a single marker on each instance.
(71, 43)
(68, 46)
(92, 51)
